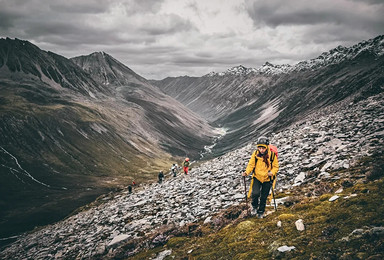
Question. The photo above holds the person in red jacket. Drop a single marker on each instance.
(186, 165)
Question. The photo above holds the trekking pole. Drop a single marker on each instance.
(245, 191)
(273, 194)
(246, 197)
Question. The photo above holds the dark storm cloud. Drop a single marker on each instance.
(366, 15)
(7, 19)
(72, 23)
(83, 7)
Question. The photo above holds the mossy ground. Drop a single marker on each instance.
(328, 225)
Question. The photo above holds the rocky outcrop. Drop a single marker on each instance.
(329, 140)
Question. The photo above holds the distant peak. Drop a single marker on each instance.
(99, 53)
(268, 64)
(237, 70)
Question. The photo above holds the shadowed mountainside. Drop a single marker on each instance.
(67, 137)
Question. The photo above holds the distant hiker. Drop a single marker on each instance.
(186, 165)
(160, 176)
(174, 169)
(133, 183)
(263, 165)
(129, 189)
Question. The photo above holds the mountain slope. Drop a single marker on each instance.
(323, 180)
(176, 126)
(66, 138)
(250, 102)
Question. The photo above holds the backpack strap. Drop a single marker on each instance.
(273, 155)
(271, 159)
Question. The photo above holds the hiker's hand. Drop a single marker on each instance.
(270, 174)
(244, 174)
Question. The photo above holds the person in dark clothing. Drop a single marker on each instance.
(160, 176)
(129, 189)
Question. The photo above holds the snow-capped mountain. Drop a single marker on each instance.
(267, 69)
(247, 102)
(334, 56)
(339, 54)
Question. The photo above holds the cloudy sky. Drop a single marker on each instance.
(160, 38)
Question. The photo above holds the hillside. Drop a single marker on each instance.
(66, 137)
(331, 177)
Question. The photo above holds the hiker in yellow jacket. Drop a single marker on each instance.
(264, 166)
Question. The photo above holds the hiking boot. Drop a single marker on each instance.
(253, 212)
(260, 215)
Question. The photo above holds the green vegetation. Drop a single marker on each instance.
(346, 228)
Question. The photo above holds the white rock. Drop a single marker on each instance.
(278, 223)
(333, 198)
(239, 196)
(339, 190)
(324, 175)
(207, 220)
(163, 254)
(326, 166)
(118, 239)
(300, 225)
(299, 178)
(350, 196)
(285, 248)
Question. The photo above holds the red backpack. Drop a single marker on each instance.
(274, 150)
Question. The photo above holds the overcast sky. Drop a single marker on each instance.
(160, 38)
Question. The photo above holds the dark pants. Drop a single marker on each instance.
(260, 192)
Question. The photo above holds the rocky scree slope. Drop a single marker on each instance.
(334, 139)
(66, 138)
(250, 102)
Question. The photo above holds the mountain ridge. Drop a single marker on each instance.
(335, 55)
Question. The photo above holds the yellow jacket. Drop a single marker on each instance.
(261, 169)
